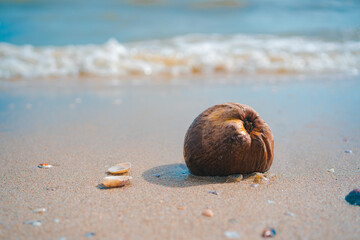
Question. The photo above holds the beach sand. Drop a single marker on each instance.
(83, 131)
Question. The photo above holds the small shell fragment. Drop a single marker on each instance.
(348, 151)
(231, 234)
(259, 178)
(35, 223)
(270, 202)
(268, 233)
(39, 210)
(331, 170)
(255, 185)
(208, 212)
(120, 168)
(235, 178)
(89, 234)
(116, 181)
(290, 214)
(213, 192)
(45, 165)
(181, 208)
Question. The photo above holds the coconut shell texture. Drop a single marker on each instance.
(226, 139)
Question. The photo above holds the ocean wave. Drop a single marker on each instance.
(183, 56)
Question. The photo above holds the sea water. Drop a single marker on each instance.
(41, 39)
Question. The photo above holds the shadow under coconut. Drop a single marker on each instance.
(177, 175)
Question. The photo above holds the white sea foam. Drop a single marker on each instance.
(183, 56)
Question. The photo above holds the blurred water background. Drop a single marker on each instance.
(174, 38)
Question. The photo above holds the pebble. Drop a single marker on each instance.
(39, 210)
(35, 223)
(90, 234)
(232, 234)
(353, 197)
(270, 202)
(331, 170)
(289, 214)
(268, 233)
(208, 212)
(45, 165)
(255, 185)
(213, 192)
(348, 151)
(157, 175)
(182, 208)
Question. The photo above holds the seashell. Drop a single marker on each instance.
(45, 165)
(235, 178)
(214, 192)
(290, 214)
(89, 234)
(116, 181)
(39, 210)
(231, 234)
(208, 212)
(120, 168)
(35, 223)
(268, 233)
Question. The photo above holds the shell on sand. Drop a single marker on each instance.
(39, 210)
(120, 168)
(45, 165)
(208, 212)
(116, 181)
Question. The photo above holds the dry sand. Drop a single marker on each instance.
(84, 131)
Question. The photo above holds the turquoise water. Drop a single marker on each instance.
(62, 22)
(178, 38)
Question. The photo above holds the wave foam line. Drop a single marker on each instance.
(181, 56)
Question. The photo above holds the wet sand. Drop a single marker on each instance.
(84, 131)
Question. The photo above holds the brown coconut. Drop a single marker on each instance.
(226, 139)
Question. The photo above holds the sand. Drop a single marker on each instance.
(83, 131)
